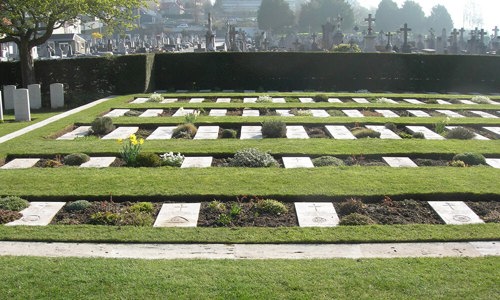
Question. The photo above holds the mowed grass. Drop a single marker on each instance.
(10, 125)
(409, 278)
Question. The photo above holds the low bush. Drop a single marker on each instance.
(77, 205)
(229, 134)
(471, 159)
(136, 219)
(76, 159)
(361, 133)
(457, 164)
(355, 219)
(264, 99)
(459, 133)
(13, 203)
(405, 135)
(418, 135)
(217, 206)
(383, 100)
(7, 216)
(102, 125)
(301, 112)
(391, 126)
(273, 129)
(271, 206)
(185, 131)
(49, 163)
(144, 207)
(321, 98)
(171, 160)
(324, 161)
(147, 159)
(133, 113)
(223, 220)
(352, 205)
(105, 218)
(155, 98)
(252, 158)
(481, 99)
(335, 113)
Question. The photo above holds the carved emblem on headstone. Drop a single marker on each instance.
(461, 218)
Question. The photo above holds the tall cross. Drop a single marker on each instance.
(454, 33)
(339, 22)
(314, 37)
(496, 30)
(296, 44)
(462, 30)
(482, 33)
(370, 21)
(405, 30)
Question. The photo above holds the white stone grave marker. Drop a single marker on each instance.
(121, 133)
(413, 101)
(334, 100)
(20, 163)
(181, 112)
(251, 132)
(250, 113)
(467, 102)
(8, 96)
(450, 113)
(169, 100)
(162, 133)
(38, 214)
(279, 100)
(476, 136)
(22, 105)
(385, 133)
(455, 212)
(218, 112)
(178, 215)
(35, 96)
(439, 101)
(249, 100)
(196, 100)
(340, 132)
(319, 113)
(117, 113)
(197, 162)
(316, 214)
(151, 113)
(387, 113)
(428, 134)
(297, 162)
(140, 100)
(353, 113)
(493, 162)
(360, 100)
(306, 100)
(98, 162)
(56, 95)
(400, 162)
(207, 133)
(484, 114)
(80, 131)
(418, 113)
(495, 130)
(223, 100)
(284, 113)
(296, 132)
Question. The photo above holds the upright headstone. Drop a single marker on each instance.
(22, 105)
(56, 95)
(8, 96)
(1, 107)
(454, 42)
(35, 96)
(406, 47)
(462, 44)
(370, 37)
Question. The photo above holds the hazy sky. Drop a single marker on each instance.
(488, 9)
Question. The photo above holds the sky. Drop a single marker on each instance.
(488, 9)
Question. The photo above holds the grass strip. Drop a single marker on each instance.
(9, 124)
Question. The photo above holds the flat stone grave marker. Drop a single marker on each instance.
(400, 162)
(387, 100)
(162, 133)
(334, 100)
(467, 102)
(197, 162)
(217, 112)
(297, 162)
(207, 133)
(121, 133)
(316, 214)
(20, 163)
(38, 214)
(22, 110)
(340, 132)
(178, 215)
(279, 100)
(385, 133)
(248, 91)
(151, 113)
(296, 132)
(98, 162)
(196, 100)
(284, 113)
(495, 130)
(450, 113)
(455, 212)
(169, 100)
(354, 113)
(484, 114)
(387, 113)
(306, 100)
(80, 131)
(250, 100)
(56, 95)
(418, 113)
(223, 100)
(183, 112)
(228, 91)
(476, 136)
(493, 162)
(413, 101)
(319, 113)
(140, 100)
(251, 132)
(428, 134)
(116, 113)
(439, 101)
(250, 113)
(360, 100)
(35, 93)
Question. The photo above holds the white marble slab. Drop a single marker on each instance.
(197, 162)
(340, 132)
(251, 132)
(387, 113)
(360, 100)
(223, 100)
(38, 214)
(217, 112)
(439, 101)
(121, 133)
(387, 100)
(493, 162)
(334, 100)
(20, 163)
(116, 113)
(151, 113)
(319, 113)
(80, 131)
(455, 212)
(413, 101)
(306, 100)
(162, 133)
(297, 162)
(169, 100)
(196, 100)
(250, 100)
(495, 130)
(316, 214)
(418, 113)
(279, 100)
(98, 162)
(178, 215)
(385, 133)
(467, 102)
(484, 114)
(250, 113)
(400, 162)
(450, 113)
(476, 136)
(207, 133)
(354, 113)
(183, 112)
(428, 134)
(296, 132)
(284, 113)
(140, 100)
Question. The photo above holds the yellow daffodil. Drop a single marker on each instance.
(120, 141)
(141, 141)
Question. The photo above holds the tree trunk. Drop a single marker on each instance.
(27, 64)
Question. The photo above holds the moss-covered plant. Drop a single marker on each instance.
(229, 134)
(13, 203)
(185, 131)
(217, 206)
(77, 205)
(351, 205)
(252, 158)
(355, 219)
(324, 161)
(144, 207)
(320, 98)
(418, 135)
(102, 125)
(460, 133)
(360, 133)
(301, 112)
(155, 98)
(76, 159)
(273, 129)
(471, 159)
(148, 159)
(271, 206)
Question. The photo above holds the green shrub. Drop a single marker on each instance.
(224, 220)
(323, 161)
(7, 216)
(252, 158)
(147, 159)
(418, 135)
(355, 219)
(49, 163)
(235, 210)
(185, 131)
(471, 159)
(335, 113)
(271, 206)
(301, 112)
(321, 98)
(264, 99)
(76, 159)
(217, 206)
(273, 129)
(460, 133)
(391, 126)
(352, 205)
(171, 160)
(136, 218)
(481, 99)
(77, 205)
(144, 207)
(229, 134)
(105, 218)
(13, 203)
(346, 48)
(360, 133)
(102, 125)
(405, 135)
(457, 164)
(133, 113)
(155, 98)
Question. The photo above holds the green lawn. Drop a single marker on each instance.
(9, 125)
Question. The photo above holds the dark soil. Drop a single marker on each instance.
(316, 132)
(424, 162)
(234, 112)
(371, 113)
(489, 211)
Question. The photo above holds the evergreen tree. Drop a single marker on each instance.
(439, 19)
(274, 15)
(387, 16)
(316, 12)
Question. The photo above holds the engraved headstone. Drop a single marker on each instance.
(319, 113)
(207, 133)
(151, 113)
(493, 162)
(217, 112)
(450, 113)
(354, 113)
(56, 95)
(22, 105)
(495, 130)
(38, 214)
(196, 100)
(20, 163)
(483, 114)
(306, 100)
(121, 133)
(117, 113)
(178, 215)
(428, 134)
(223, 100)
(400, 162)
(80, 131)
(455, 212)
(296, 132)
(418, 113)
(297, 162)
(249, 100)
(8, 96)
(35, 96)
(316, 214)
(98, 162)
(250, 113)
(162, 133)
(413, 101)
(387, 113)
(340, 132)
(197, 162)
(385, 134)
(140, 100)
(251, 132)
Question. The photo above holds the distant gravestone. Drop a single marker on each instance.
(56, 95)
(1, 107)
(8, 96)
(22, 105)
(35, 96)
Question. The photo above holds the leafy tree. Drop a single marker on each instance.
(412, 13)
(30, 23)
(316, 12)
(274, 15)
(387, 16)
(439, 19)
